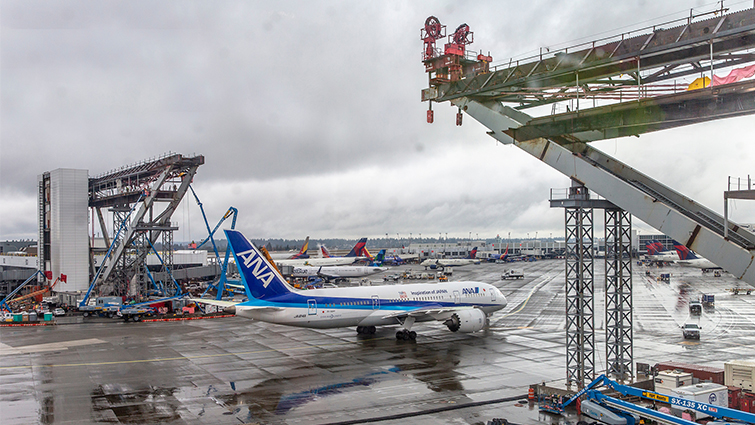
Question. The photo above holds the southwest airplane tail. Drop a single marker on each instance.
(461, 306)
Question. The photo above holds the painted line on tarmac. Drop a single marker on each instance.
(173, 359)
(546, 279)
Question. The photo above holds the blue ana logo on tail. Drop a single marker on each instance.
(252, 259)
(260, 278)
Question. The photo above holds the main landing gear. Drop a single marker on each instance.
(366, 330)
(407, 334)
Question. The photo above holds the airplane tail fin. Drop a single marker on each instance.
(261, 280)
(684, 252)
(366, 253)
(357, 250)
(651, 247)
(505, 253)
(379, 258)
(473, 253)
(324, 252)
(303, 251)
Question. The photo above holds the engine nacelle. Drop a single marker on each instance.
(466, 321)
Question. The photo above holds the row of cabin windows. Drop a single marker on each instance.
(433, 298)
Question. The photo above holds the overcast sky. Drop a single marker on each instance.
(308, 113)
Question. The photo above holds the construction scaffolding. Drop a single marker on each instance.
(142, 198)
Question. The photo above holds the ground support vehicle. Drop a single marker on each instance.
(103, 306)
(691, 331)
(695, 308)
(709, 301)
(614, 411)
(512, 274)
(136, 313)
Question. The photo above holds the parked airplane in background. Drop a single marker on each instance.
(461, 306)
(336, 272)
(288, 256)
(688, 258)
(655, 252)
(434, 263)
(502, 256)
(359, 250)
(329, 260)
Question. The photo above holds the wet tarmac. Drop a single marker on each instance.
(234, 370)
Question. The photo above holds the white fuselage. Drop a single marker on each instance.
(700, 263)
(449, 262)
(330, 261)
(336, 271)
(373, 305)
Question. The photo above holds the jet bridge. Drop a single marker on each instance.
(627, 78)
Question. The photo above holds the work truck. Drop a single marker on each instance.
(512, 274)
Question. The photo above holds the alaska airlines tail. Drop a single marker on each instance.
(303, 251)
(260, 280)
(357, 250)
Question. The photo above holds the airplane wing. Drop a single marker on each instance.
(219, 303)
(436, 312)
(225, 304)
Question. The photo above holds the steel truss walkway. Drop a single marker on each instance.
(599, 72)
(134, 193)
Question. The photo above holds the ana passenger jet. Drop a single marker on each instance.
(461, 306)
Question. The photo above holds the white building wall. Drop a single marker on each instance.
(69, 249)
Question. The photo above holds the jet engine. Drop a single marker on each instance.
(466, 321)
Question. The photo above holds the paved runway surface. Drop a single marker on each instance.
(233, 370)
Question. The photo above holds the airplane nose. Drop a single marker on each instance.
(230, 310)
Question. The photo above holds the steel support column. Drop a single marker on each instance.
(618, 295)
(580, 318)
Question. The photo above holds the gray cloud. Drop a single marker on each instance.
(308, 112)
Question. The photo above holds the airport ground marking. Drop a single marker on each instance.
(172, 359)
(532, 292)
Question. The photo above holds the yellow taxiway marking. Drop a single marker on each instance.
(532, 292)
(172, 359)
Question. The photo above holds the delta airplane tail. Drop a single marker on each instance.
(303, 251)
(260, 280)
(473, 254)
(684, 252)
(652, 250)
(358, 248)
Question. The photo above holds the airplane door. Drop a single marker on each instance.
(456, 297)
(375, 302)
(312, 304)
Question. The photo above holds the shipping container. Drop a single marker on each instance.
(747, 401)
(670, 379)
(734, 397)
(740, 373)
(701, 373)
